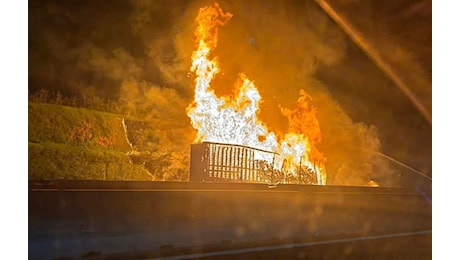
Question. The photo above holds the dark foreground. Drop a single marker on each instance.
(142, 220)
(395, 246)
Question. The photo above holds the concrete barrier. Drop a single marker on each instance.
(73, 219)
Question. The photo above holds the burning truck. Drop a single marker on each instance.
(232, 144)
(217, 162)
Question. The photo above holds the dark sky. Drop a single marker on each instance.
(402, 33)
(103, 47)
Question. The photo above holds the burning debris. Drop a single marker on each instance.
(233, 120)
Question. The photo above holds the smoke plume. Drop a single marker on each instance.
(138, 52)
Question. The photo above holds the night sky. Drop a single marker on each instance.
(103, 47)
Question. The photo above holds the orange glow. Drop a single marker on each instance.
(233, 119)
(372, 183)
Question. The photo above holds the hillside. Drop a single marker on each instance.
(77, 143)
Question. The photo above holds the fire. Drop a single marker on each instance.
(305, 133)
(233, 119)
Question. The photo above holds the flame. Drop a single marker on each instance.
(304, 136)
(233, 119)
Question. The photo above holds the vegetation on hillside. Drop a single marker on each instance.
(79, 143)
(51, 161)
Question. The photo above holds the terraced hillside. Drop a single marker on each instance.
(77, 143)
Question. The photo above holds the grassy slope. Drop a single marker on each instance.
(76, 143)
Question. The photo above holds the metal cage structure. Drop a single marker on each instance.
(219, 162)
(229, 162)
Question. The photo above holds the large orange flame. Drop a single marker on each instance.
(234, 119)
